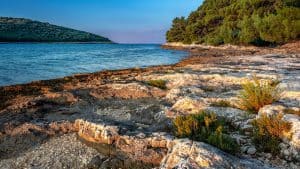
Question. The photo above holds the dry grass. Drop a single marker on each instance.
(257, 93)
(158, 83)
(268, 132)
(222, 103)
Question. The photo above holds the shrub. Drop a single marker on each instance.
(268, 132)
(206, 127)
(158, 83)
(258, 93)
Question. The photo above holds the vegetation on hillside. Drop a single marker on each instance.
(25, 30)
(257, 22)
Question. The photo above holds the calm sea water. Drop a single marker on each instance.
(23, 63)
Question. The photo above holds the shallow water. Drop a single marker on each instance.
(23, 63)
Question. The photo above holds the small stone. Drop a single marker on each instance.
(286, 152)
(268, 155)
(247, 133)
(247, 128)
(251, 150)
(283, 146)
(141, 135)
(244, 149)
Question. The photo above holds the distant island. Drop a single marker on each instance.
(254, 22)
(26, 30)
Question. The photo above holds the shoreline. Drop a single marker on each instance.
(209, 55)
(191, 49)
(58, 42)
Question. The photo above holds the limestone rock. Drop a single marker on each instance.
(295, 130)
(203, 155)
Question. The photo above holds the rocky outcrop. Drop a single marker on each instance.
(138, 147)
(196, 155)
(161, 149)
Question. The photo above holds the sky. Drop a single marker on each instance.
(123, 21)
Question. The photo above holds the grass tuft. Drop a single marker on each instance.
(158, 83)
(268, 132)
(257, 93)
(221, 103)
(206, 127)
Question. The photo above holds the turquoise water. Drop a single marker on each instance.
(23, 63)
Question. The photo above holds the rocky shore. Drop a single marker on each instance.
(119, 119)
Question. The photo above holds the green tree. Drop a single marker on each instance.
(259, 22)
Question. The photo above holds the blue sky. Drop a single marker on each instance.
(123, 21)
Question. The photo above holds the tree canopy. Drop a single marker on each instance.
(257, 22)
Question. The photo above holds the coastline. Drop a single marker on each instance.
(137, 115)
(92, 42)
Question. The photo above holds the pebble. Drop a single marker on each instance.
(268, 155)
(286, 152)
(251, 150)
(283, 146)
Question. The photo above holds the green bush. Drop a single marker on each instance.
(158, 83)
(257, 93)
(206, 127)
(268, 132)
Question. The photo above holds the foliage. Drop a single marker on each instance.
(205, 127)
(258, 93)
(158, 83)
(25, 30)
(268, 132)
(258, 22)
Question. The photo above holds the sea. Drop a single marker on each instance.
(25, 62)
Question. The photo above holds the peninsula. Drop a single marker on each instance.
(26, 30)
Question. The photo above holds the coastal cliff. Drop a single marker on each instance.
(125, 118)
